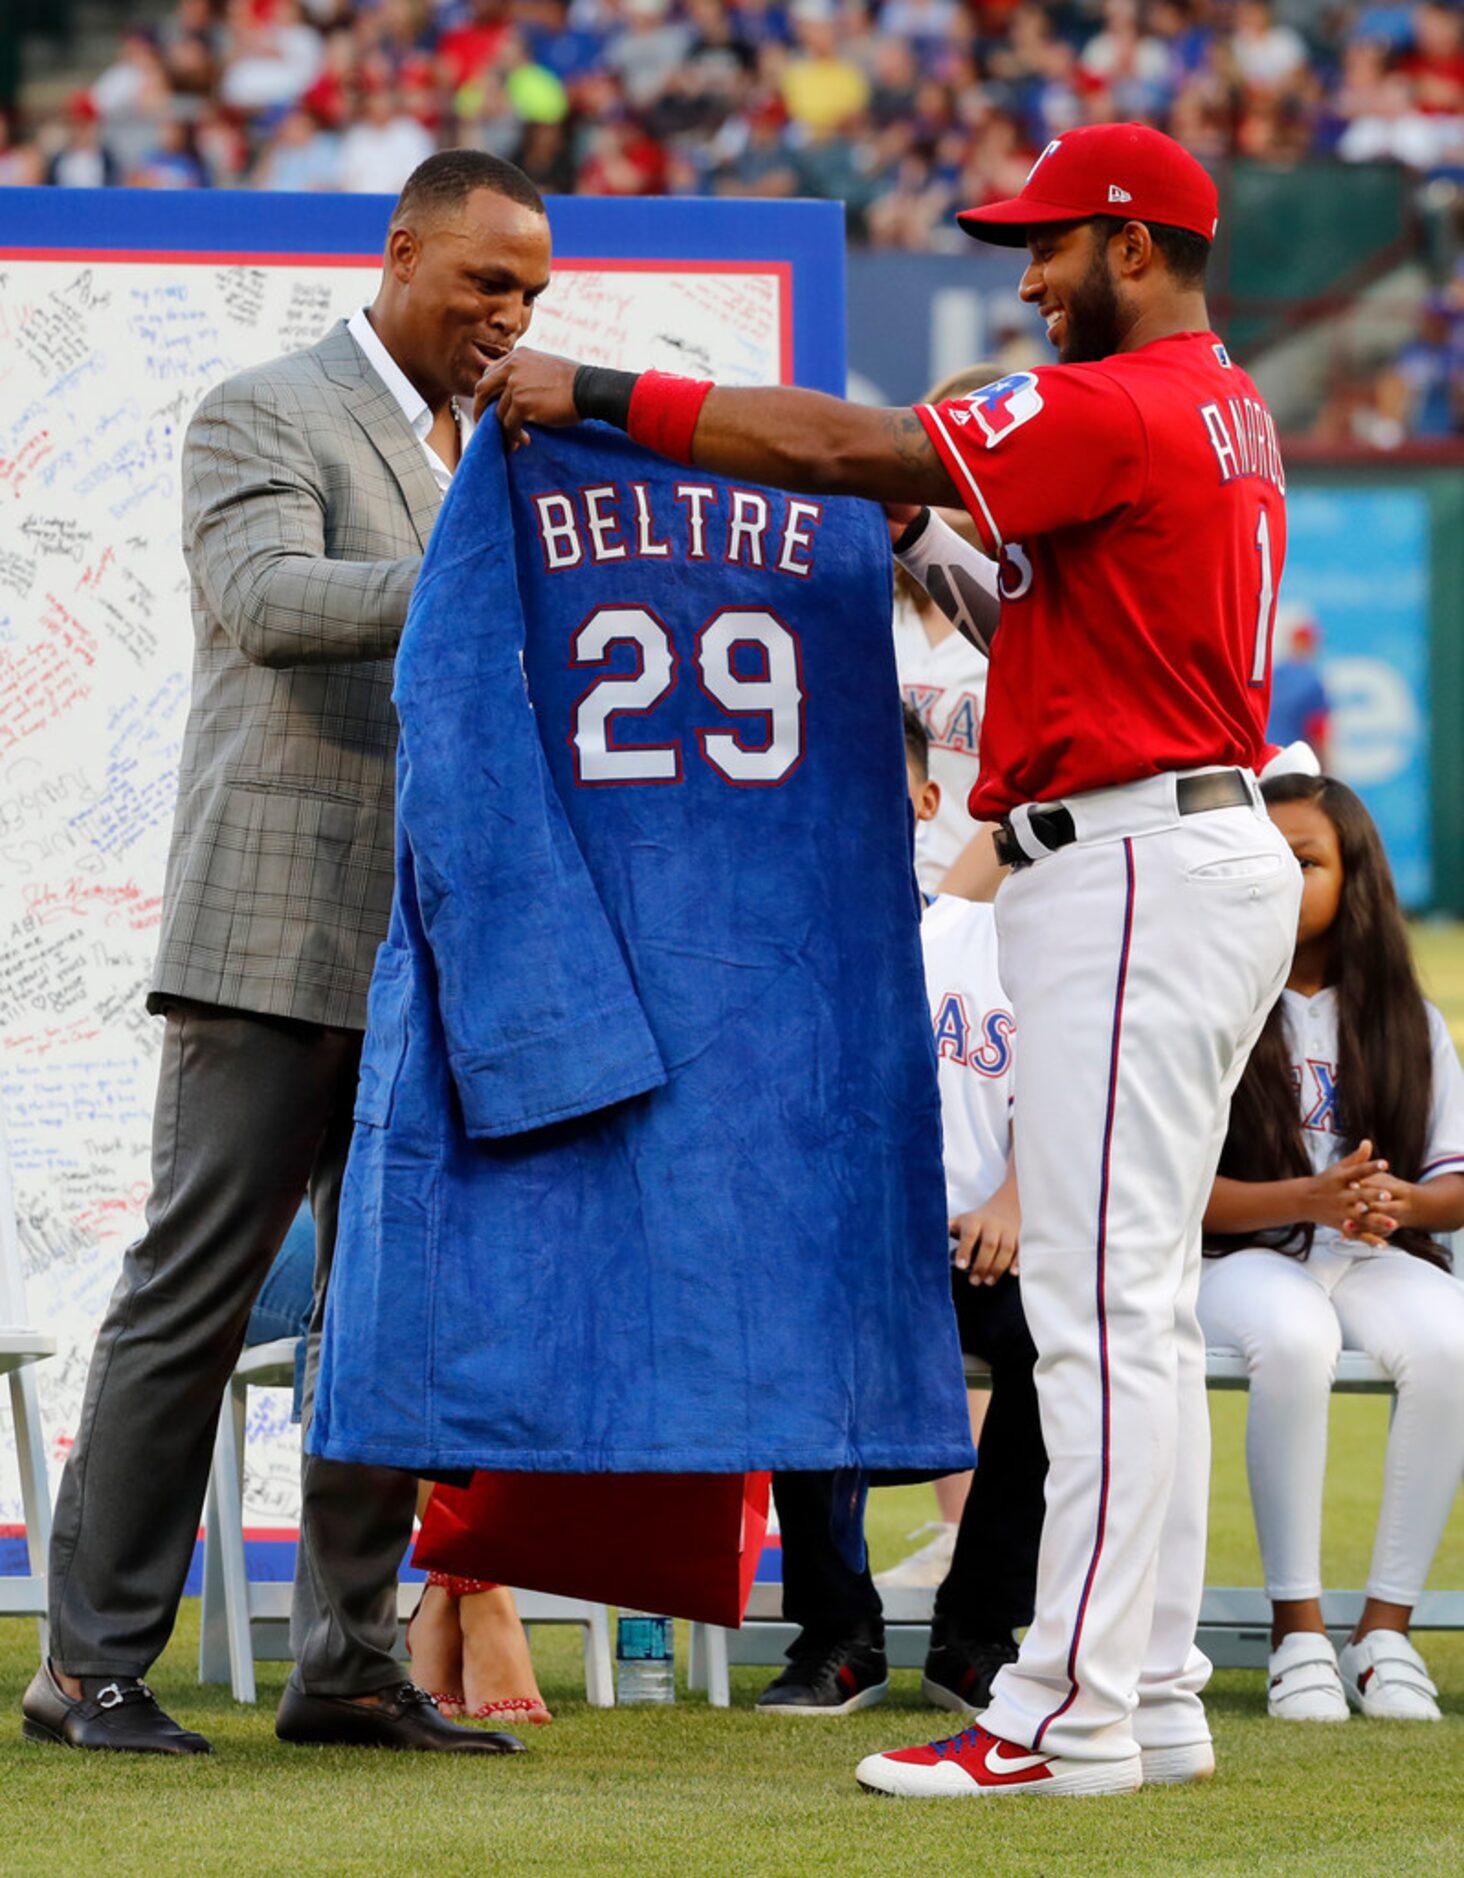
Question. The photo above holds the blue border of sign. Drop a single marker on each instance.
(1358, 559)
(805, 237)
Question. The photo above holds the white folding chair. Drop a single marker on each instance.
(232, 1602)
(20, 1349)
(247, 1620)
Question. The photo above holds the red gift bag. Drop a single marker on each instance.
(682, 1545)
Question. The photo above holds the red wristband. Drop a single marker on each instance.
(663, 412)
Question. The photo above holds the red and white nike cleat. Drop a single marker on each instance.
(974, 1763)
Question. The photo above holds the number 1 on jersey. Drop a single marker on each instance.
(1266, 609)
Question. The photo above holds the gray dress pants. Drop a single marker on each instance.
(252, 1112)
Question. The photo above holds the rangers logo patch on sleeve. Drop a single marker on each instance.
(1002, 406)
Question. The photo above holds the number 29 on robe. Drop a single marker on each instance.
(746, 663)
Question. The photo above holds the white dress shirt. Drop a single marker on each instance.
(414, 406)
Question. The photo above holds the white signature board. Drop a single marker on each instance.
(102, 361)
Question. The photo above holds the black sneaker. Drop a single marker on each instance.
(959, 1670)
(826, 1678)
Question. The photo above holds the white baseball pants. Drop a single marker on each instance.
(1290, 1320)
(1141, 962)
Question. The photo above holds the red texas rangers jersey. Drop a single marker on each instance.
(1137, 505)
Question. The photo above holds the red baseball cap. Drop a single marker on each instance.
(1104, 169)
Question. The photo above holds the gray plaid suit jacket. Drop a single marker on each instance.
(307, 502)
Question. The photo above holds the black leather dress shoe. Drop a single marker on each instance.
(403, 1717)
(123, 1716)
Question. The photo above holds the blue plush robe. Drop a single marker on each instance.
(646, 1171)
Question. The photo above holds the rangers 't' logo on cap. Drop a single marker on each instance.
(1042, 159)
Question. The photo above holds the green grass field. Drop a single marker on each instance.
(692, 1791)
(1439, 947)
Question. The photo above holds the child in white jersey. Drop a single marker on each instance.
(837, 1663)
(943, 681)
(1344, 1159)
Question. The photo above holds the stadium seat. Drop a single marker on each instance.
(20, 1349)
(247, 1620)
(1235, 1620)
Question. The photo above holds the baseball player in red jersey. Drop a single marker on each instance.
(1132, 496)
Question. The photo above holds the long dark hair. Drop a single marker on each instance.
(1384, 1050)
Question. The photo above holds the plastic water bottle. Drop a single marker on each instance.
(645, 1658)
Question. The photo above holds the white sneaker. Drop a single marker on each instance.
(1177, 1767)
(1385, 1676)
(929, 1566)
(1304, 1683)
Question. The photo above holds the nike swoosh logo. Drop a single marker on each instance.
(998, 1763)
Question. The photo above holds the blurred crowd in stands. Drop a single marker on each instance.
(1417, 398)
(902, 109)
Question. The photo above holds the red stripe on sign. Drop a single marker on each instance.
(170, 257)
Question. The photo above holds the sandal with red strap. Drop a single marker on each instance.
(511, 1708)
(450, 1702)
(514, 1708)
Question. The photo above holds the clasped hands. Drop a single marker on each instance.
(1360, 1198)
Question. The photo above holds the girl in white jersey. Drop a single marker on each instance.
(1344, 1162)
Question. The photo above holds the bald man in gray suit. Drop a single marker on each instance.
(310, 488)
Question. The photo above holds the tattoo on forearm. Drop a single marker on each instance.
(907, 434)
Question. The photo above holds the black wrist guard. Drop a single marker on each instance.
(599, 392)
(914, 529)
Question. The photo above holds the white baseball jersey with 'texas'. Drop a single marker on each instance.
(945, 686)
(971, 1017)
(1311, 1030)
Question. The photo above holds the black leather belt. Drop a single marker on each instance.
(1052, 824)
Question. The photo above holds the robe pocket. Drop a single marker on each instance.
(385, 1047)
